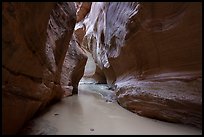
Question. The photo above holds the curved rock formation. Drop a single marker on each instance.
(36, 38)
(73, 67)
(95, 73)
(152, 53)
(83, 9)
(92, 73)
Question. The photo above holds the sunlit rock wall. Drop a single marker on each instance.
(92, 71)
(35, 41)
(151, 53)
(83, 9)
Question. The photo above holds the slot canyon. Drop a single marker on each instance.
(101, 68)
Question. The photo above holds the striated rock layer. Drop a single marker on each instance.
(83, 9)
(73, 68)
(35, 46)
(151, 53)
(92, 71)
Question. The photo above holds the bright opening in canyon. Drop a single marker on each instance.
(102, 68)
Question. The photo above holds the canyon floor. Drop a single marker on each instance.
(94, 111)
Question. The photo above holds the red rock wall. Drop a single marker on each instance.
(83, 9)
(73, 68)
(152, 53)
(36, 38)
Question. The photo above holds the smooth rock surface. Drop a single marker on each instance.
(151, 53)
(92, 72)
(73, 68)
(83, 9)
(35, 40)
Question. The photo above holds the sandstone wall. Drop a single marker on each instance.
(151, 52)
(35, 41)
(73, 68)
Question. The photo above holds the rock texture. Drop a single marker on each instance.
(151, 53)
(36, 38)
(99, 76)
(83, 9)
(92, 71)
(73, 68)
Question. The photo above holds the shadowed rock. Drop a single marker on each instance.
(35, 42)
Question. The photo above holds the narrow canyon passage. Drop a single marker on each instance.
(89, 114)
(101, 68)
(95, 111)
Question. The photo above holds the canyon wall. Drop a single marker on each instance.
(73, 67)
(151, 53)
(92, 70)
(35, 49)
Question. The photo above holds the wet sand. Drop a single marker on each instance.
(88, 113)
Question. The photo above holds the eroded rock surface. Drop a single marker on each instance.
(151, 53)
(73, 68)
(36, 38)
(92, 71)
(83, 9)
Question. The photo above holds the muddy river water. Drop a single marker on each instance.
(94, 111)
